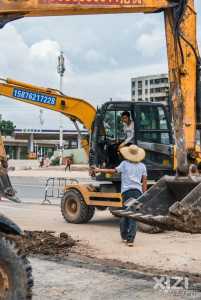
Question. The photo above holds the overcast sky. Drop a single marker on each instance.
(102, 53)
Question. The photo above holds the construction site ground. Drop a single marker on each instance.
(100, 266)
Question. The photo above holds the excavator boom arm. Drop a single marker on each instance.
(183, 62)
(11, 10)
(74, 108)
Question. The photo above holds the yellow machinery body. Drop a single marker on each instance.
(183, 65)
(182, 49)
(37, 8)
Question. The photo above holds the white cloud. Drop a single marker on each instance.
(13, 49)
(150, 44)
(44, 50)
(94, 56)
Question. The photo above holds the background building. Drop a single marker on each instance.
(153, 88)
(42, 142)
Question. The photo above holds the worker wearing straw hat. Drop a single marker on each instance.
(133, 184)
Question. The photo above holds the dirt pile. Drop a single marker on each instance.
(47, 243)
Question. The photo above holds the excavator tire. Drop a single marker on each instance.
(15, 272)
(74, 209)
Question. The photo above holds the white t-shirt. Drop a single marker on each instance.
(129, 131)
(131, 175)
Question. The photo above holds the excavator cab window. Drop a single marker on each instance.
(114, 126)
(119, 126)
(107, 134)
(152, 132)
(153, 125)
(111, 132)
(109, 122)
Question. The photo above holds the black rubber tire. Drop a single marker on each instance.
(83, 213)
(16, 270)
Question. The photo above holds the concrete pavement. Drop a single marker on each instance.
(165, 251)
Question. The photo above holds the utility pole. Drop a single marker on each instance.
(42, 120)
(60, 70)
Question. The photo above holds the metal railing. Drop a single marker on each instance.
(54, 188)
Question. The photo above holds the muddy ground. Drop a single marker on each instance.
(55, 246)
(64, 269)
(99, 265)
(165, 251)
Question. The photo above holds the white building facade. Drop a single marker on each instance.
(153, 88)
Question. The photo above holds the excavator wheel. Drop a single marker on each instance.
(74, 209)
(15, 272)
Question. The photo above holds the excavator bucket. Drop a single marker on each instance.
(6, 189)
(173, 203)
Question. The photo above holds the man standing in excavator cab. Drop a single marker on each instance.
(129, 129)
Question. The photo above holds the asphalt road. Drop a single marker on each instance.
(76, 280)
(31, 189)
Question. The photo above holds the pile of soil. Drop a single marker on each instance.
(47, 243)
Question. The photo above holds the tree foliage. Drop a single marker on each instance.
(7, 127)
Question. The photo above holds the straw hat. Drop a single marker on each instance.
(133, 153)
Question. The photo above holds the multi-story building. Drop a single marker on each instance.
(153, 88)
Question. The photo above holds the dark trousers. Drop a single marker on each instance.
(128, 226)
(67, 167)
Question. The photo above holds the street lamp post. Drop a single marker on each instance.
(60, 70)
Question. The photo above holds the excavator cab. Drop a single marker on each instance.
(152, 132)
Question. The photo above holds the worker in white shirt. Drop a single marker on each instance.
(133, 184)
(129, 129)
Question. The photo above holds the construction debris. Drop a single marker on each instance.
(46, 243)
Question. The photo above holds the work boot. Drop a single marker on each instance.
(130, 244)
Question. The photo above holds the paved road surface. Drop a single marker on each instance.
(78, 281)
(30, 189)
(65, 281)
(166, 251)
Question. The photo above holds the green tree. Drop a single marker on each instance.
(7, 127)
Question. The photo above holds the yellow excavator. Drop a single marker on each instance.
(16, 279)
(80, 201)
(174, 202)
(152, 131)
